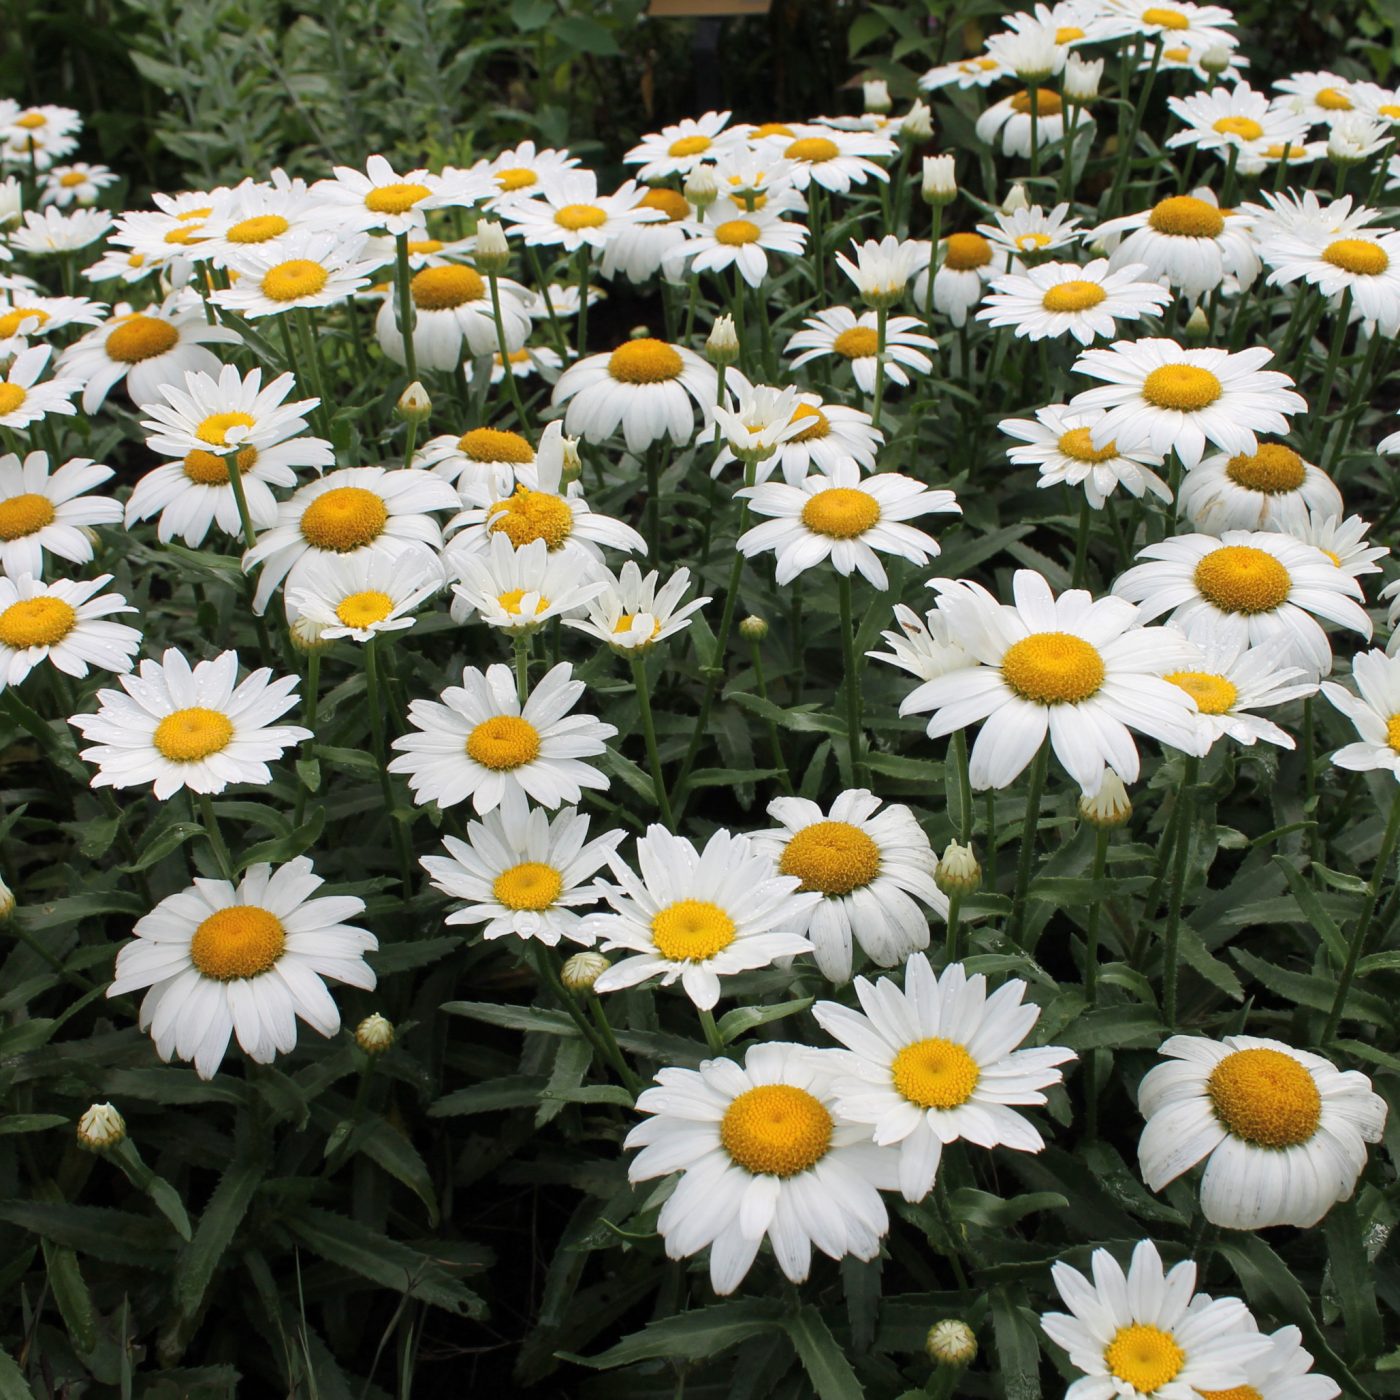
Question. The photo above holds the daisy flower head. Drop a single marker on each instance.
(1186, 241)
(1282, 1132)
(377, 199)
(632, 614)
(24, 400)
(1059, 441)
(1236, 123)
(839, 331)
(363, 594)
(247, 961)
(762, 419)
(1198, 27)
(45, 118)
(42, 510)
(822, 433)
(1157, 394)
(54, 230)
(453, 317)
(648, 388)
(64, 623)
(519, 589)
(1342, 541)
(883, 269)
(478, 741)
(519, 172)
(741, 241)
(1078, 669)
(975, 71)
(490, 455)
(306, 269)
(36, 147)
(1148, 1335)
(835, 160)
(1364, 263)
(23, 317)
(1262, 588)
(1320, 96)
(1272, 488)
(1375, 712)
(345, 512)
(641, 251)
(176, 726)
(567, 212)
(1031, 230)
(522, 364)
(763, 1152)
(1284, 1372)
(678, 149)
(696, 916)
(259, 214)
(846, 518)
(923, 646)
(872, 868)
(1064, 299)
(968, 262)
(1010, 119)
(1029, 50)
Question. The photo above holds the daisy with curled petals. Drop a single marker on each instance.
(1149, 1335)
(1059, 440)
(1185, 241)
(363, 594)
(1060, 299)
(378, 199)
(647, 387)
(1375, 713)
(743, 241)
(523, 873)
(1197, 26)
(631, 614)
(677, 150)
(1272, 488)
(856, 339)
(764, 417)
(843, 517)
(176, 726)
(63, 623)
(835, 160)
(23, 400)
(939, 1062)
(1079, 669)
(518, 590)
(822, 433)
(1364, 263)
(883, 269)
(481, 742)
(249, 961)
(696, 916)
(478, 455)
(1264, 589)
(1011, 120)
(923, 646)
(967, 262)
(763, 1152)
(306, 269)
(454, 319)
(1159, 395)
(42, 510)
(353, 509)
(1284, 1372)
(872, 868)
(1282, 1132)
(567, 212)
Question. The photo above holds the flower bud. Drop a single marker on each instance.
(100, 1127)
(572, 467)
(722, 348)
(1081, 80)
(1015, 200)
(1198, 326)
(957, 871)
(1216, 59)
(7, 901)
(753, 629)
(877, 96)
(375, 1034)
(1109, 807)
(701, 188)
(940, 183)
(492, 251)
(918, 122)
(581, 971)
(951, 1343)
(305, 634)
(414, 405)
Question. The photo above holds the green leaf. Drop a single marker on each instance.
(514, 1018)
(825, 1363)
(1316, 992)
(1353, 1280)
(1017, 1346)
(114, 1235)
(993, 1213)
(742, 1019)
(1115, 1026)
(585, 35)
(510, 1091)
(13, 1385)
(171, 838)
(194, 1270)
(32, 1123)
(697, 1335)
(1312, 909)
(163, 1195)
(71, 1294)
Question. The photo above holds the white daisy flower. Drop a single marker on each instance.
(1198, 27)
(1375, 713)
(63, 623)
(23, 400)
(883, 268)
(518, 589)
(480, 455)
(1236, 120)
(925, 647)
(527, 361)
(45, 118)
(855, 338)
(362, 594)
(1186, 241)
(872, 868)
(1063, 299)
(377, 199)
(1365, 263)
(678, 149)
(843, 517)
(968, 262)
(564, 301)
(822, 434)
(177, 727)
(79, 183)
(763, 1152)
(24, 317)
(976, 71)
(631, 614)
(32, 148)
(453, 317)
(259, 214)
(1342, 541)
(567, 212)
(1028, 49)
(742, 241)
(1283, 1133)
(835, 160)
(1032, 230)
(1284, 1372)
(222, 961)
(40, 510)
(52, 230)
(518, 172)
(1059, 441)
(1011, 120)
(305, 269)
(641, 251)
(1272, 488)
(1262, 588)
(1320, 96)
(480, 742)
(763, 417)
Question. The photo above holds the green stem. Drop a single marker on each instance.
(658, 780)
(312, 698)
(1081, 543)
(611, 1049)
(522, 667)
(935, 232)
(959, 748)
(881, 316)
(1033, 94)
(556, 327)
(712, 1035)
(544, 965)
(585, 265)
(853, 687)
(1329, 375)
(214, 836)
(952, 943)
(1029, 827)
(653, 473)
(407, 317)
(775, 742)
(511, 385)
(1181, 851)
(374, 699)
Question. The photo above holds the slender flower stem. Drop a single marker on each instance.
(522, 667)
(853, 698)
(882, 315)
(215, 837)
(952, 941)
(935, 233)
(653, 474)
(1329, 375)
(959, 747)
(410, 441)
(1091, 981)
(712, 1035)
(611, 1049)
(1081, 543)
(585, 266)
(658, 780)
(1181, 851)
(1033, 94)
(374, 699)
(609, 1054)
(556, 326)
(511, 385)
(1067, 169)
(1360, 383)
(1029, 828)
(774, 740)
(817, 224)
(407, 317)
(310, 357)
(235, 481)
(1128, 140)
(312, 699)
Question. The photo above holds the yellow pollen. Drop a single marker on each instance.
(737, 232)
(840, 512)
(1141, 1355)
(833, 857)
(343, 519)
(579, 216)
(1357, 256)
(1332, 100)
(215, 429)
(965, 252)
(290, 281)
(1184, 388)
(1068, 33)
(857, 342)
(1028, 241)
(1238, 1392)
(32, 121)
(208, 469)
(241, 941)
(259, 229)
(511, 599)
(135, 260)
(1265, 1097)
(1214, 695)
(645, 361)
(689, 146)
(186, 234)
(1392, 732)
(529, 885)
(442, 288)
(1177, 55)
(1074, 295)
(516, 357)
(192, 215)
(1279, 151)
(1246, 128)
(691, 930)
(422, 246)
(626, 621)
(673, 205)
(1053, 668)
(140, 338)
(364, 609)
(11, 321)
(531, 515)
(494, 445)
(516, 177)
(772, 129)
(820, 426)
(776, 1130)
(1079, 444)
(1185, 216)
(1166, 19)
(935, 1073)
(1274, 470)
(813, 149)
(1237, 578)
(396, 198)
(186, 736)
(1047, 103)
(11, 397)
(36, 622)
(503, 742)
(1389, 109)
(25, 514)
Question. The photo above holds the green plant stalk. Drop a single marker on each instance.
(406, 317)
(1329, 375)
(712, 1036)
(1029, 828)
(1128, 141)
(952, 941)
(775, 742)
(374, 699)
(611, 1049)
(610, 1055)
(1091, 982)
(214, 836)
(585, 266)
(1081, 543)
(1067, 168)
(523, 644)
(1361, 381)
(653, 475)
(935, 233)
(509, 374)
(1181, 851)
(853, 697)
(556, 326)
(312, 699)
(410, 440)
(882, 316)
(658, 779)
(816, 222)
(960, 759)
(1033, 96)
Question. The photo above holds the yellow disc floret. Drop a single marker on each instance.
(1166, 19)
(1236, 1392)
(25, 515)
(674, 206)
(1358, 256)
(1332, 99)
(1053, 668)
(503, 742)
(1246, 128)
(1079, 444)
(580, 216)
(813, 149)
(736, 232)
(442, 288)
(1273, 470)
(259, 229)
(140, 338)
(1265, 1097)
(1213, 694)
(965, 252)
(209, 469)
(1074, 295)
(1144, 1356)
(186, 736)
(215, 428)
(1047, 103)
(689, 146)
(13, 319)
(12, 396)
(531, 515)
(645, 360)
(819, 425)
(1237, 578)
(294, 280)
(841, 512)
(343, 519)
(1185, 216)
(241, 941)
(530, 885)
(495, 445)
(36, 622)
(516, 177)
(776, 1130)
(1182, 388)
(935, 1073)
(691, 930)
(833, 857)
(397, 198)
(1392, 732)
(364, 609)
(857, 342)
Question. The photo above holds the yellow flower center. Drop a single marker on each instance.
(494, 445)
(1214, 695)
(776, 1130)
(529, 885)
(1047, 103)
(965, 252)
(1274, 469)
(626, 621)
(1185, 388)
(214, 429)
(11, 321)
(1238, 578)
(11, 397)
(397, 198)
(1079, 444)
(820, 425)
(135, 260)
(1165, 19)
(1068, 33)
(857, 342)
(364, 609)
(813, 149)
(736, 232)
(140, 338)
(208, 469)
(1357, 256)
(645, 361)
(673, 205)
(578, 216)
(516, 177)
(1392, 732)
(1331, 99)
(532, 515)
(840, 512)
(772, 129)
(36, 622)
(1180, 54)
(691, 930)
(1074, 295)
(1141, 1355)
(935, 1073)
(424, 245)
(290, 281)
(259, 229)
(242, 941)
(1238, 1392)
(516, 357)
(187, 234)
(1027, 241)
(1280, 151)
(1389, 109)
(1265, 1097)
(1185, 216)
(186, 736)
(833, 857)
(32, 121)
(689, 146)
(441, 288)
(1053, 668)
(1246, 128)
(503, 742)
(511, 599)
(344, 518)
(25, 515)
